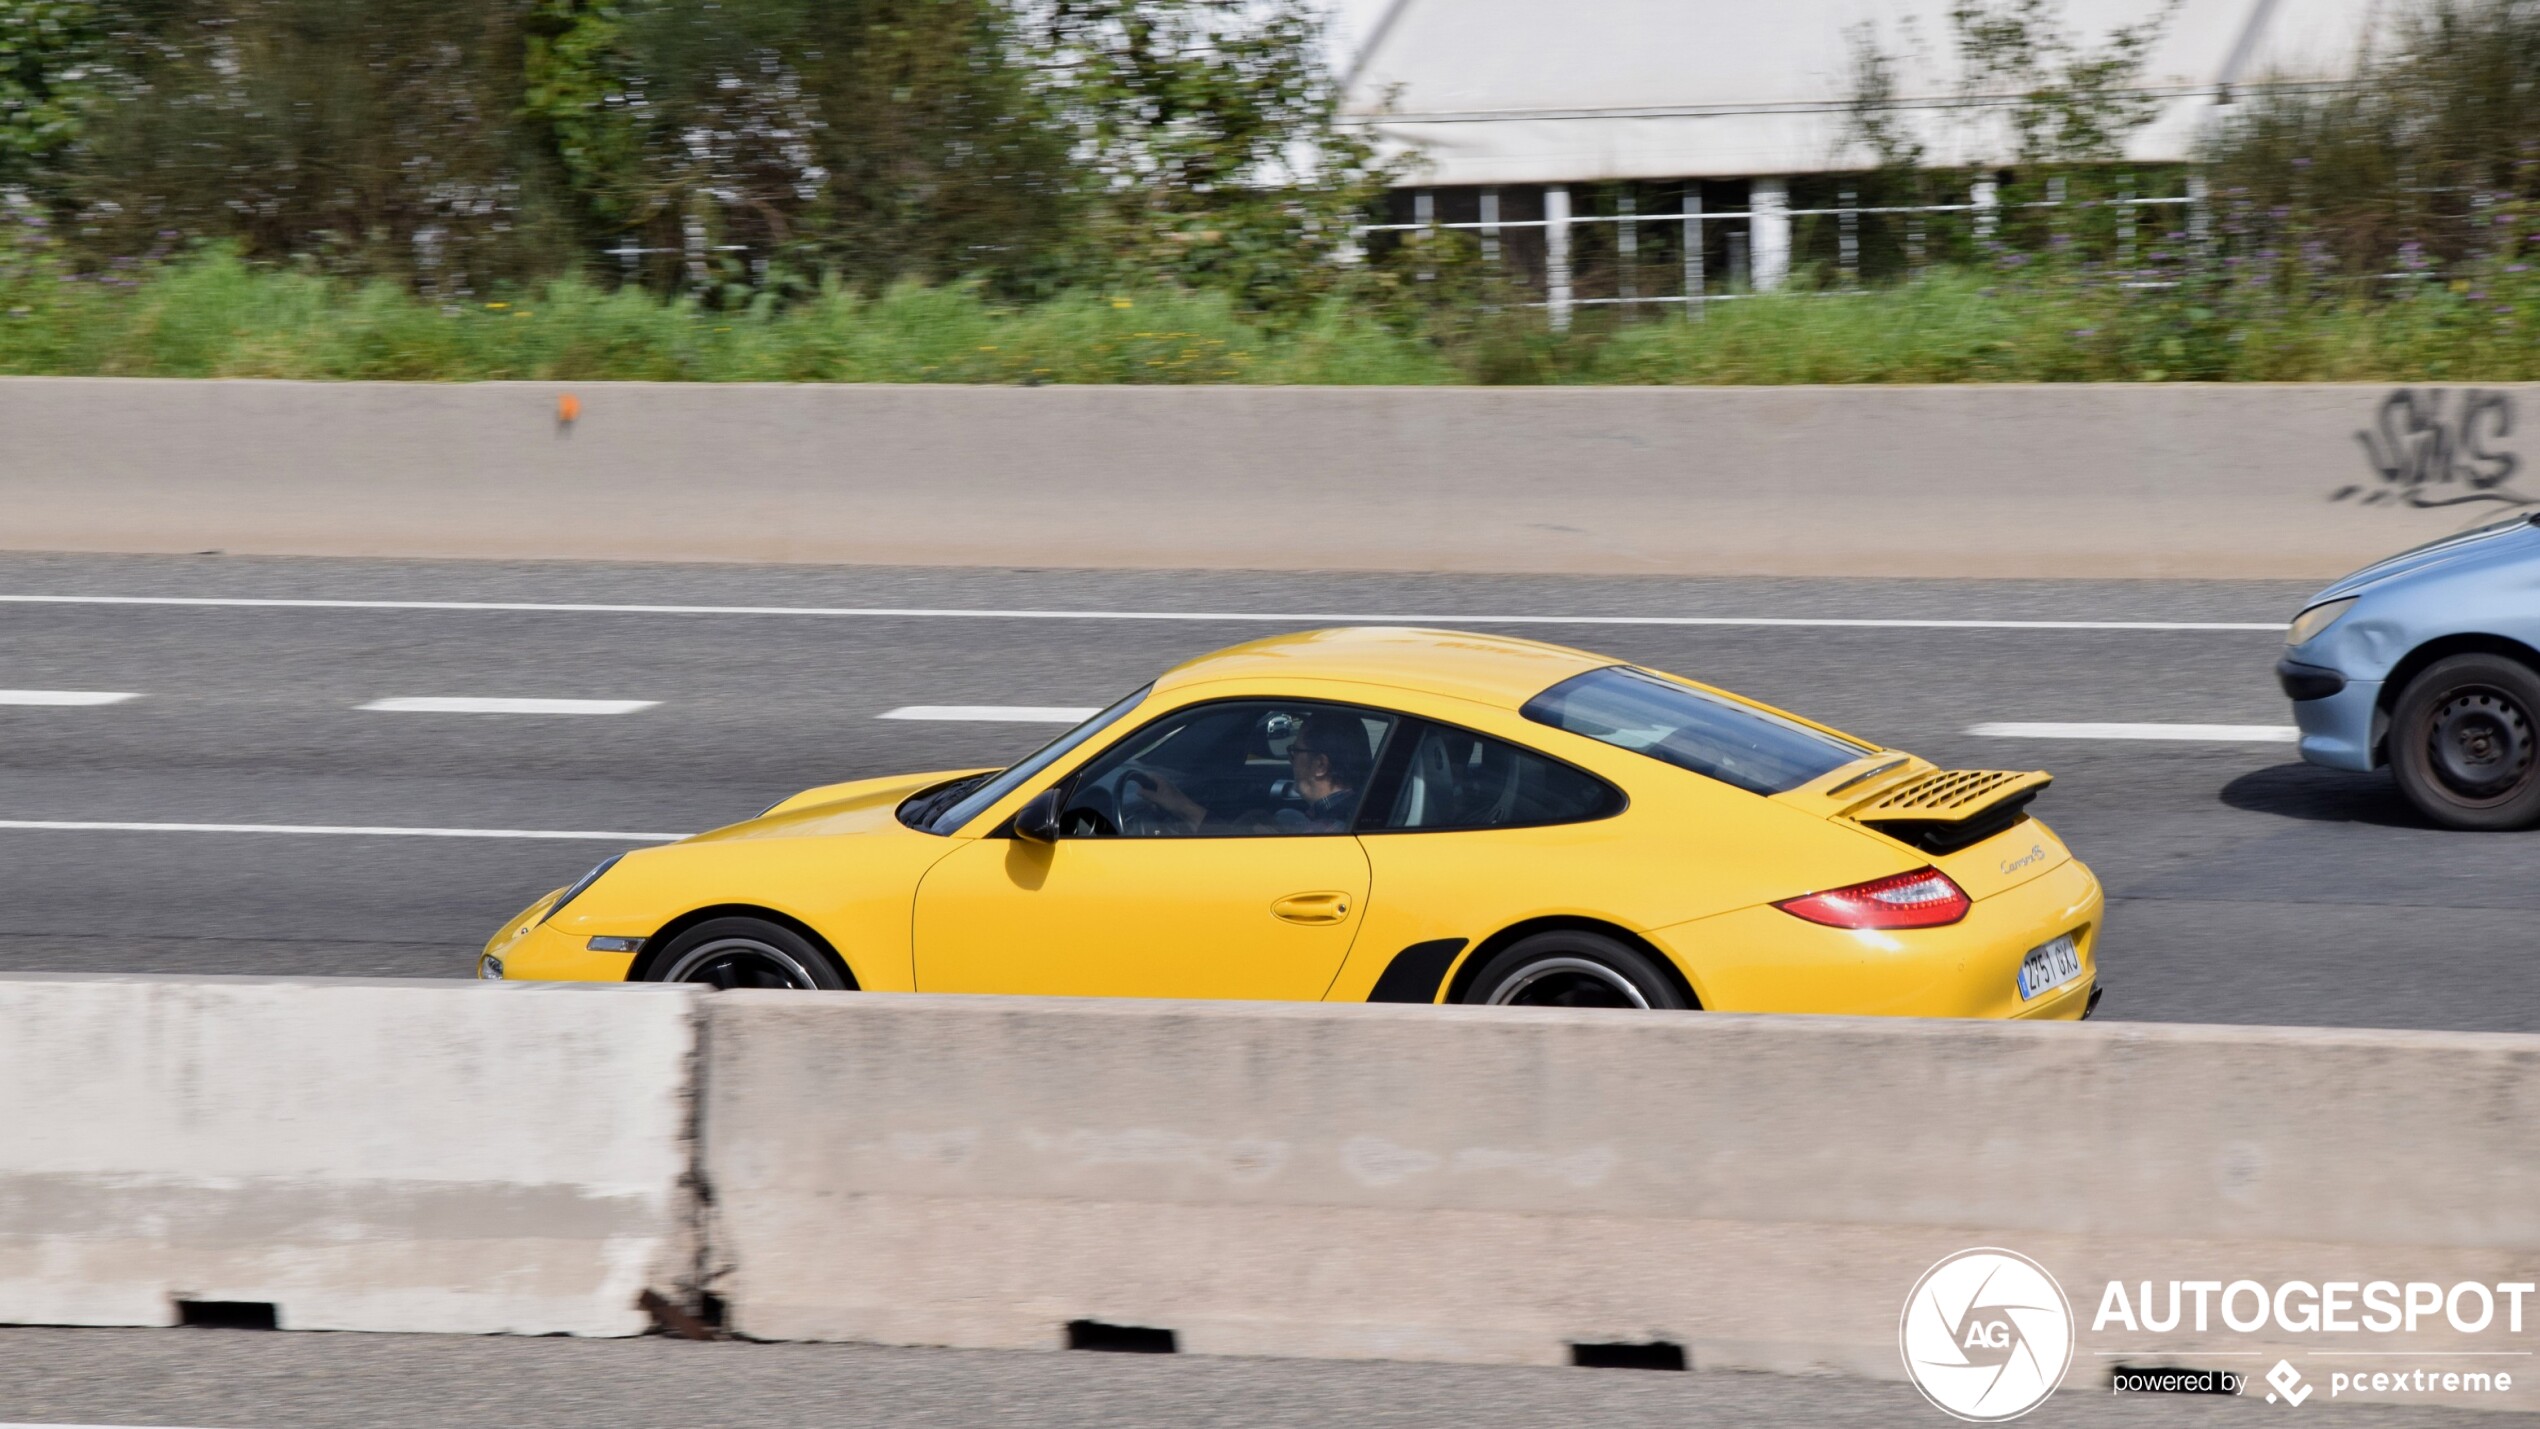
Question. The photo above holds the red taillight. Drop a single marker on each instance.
(1924, 898)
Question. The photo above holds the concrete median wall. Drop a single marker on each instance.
(2105, 480)
(360, 1155)
(1489, 1185)
(1495, 1185)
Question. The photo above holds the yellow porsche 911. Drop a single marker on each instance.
(1379, 815)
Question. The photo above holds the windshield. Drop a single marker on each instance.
(992, 787)
(1734, 743)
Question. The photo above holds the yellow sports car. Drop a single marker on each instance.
(1379, 815)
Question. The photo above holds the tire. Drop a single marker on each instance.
(748, 952)
(2463, 740)
(1563, 968)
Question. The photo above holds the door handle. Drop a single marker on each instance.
(1312, 908)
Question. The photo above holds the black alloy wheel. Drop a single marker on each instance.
(1565, 968)
(748, 952)
(2465, 743)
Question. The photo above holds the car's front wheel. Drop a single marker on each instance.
(748, 952)
(2463, 737)
(1566, 968)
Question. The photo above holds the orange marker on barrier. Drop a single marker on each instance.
(568, 411)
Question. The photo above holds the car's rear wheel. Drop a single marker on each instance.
(748, 952)
(1573, 968)
(2463, 741)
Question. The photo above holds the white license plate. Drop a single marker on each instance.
(2049, 966)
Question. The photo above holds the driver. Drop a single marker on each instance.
(1328, 764)
(1328, 759)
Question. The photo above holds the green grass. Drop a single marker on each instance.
(213, 316)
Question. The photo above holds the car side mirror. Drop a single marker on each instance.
(1037, 820)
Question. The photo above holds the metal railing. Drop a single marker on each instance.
(1767, 238)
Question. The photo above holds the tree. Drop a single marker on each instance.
(1207, 141)
(53, 70)
(2026, 88)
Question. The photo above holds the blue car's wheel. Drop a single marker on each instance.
(2465, 742)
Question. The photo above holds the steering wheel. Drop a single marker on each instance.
(1090, 813)
(1140, 814)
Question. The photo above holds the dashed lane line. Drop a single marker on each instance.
(2193, 733)
(65, 697)
(331, 830)
(470, 704)
(995, 714)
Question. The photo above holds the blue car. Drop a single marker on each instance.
(2429, 663)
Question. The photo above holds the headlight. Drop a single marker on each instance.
(489, 968)
(579, 885)
(2316, 619)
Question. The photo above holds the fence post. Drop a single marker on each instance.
(1424, 212)
(1693, 250)
(1848, 239)
(2125, 224)
(1556, 255)
(1627, 247)
(1490, 225)
(1768, 220)
(1987, 198)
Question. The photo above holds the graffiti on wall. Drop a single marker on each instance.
(2426, 449)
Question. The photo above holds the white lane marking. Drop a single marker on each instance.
(1244, 617)
(465, 704)
(357, 830)
(2251, 733)
(1003, 714)
(64, 697)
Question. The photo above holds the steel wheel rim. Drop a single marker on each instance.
(1559, 982)
(2479, 744)
(729, 963)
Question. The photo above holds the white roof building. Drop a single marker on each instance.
(1571, 91)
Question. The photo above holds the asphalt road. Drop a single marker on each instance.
(2245, 886)
(216, 1379)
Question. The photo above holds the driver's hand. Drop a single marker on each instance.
(1182, 806)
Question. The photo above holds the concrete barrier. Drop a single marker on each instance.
(359, 1155)
(1469, 1184)
(1498, 1185)
(2085, 480)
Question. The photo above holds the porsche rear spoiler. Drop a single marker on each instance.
(1945, 810)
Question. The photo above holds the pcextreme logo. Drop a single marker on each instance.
(1987, 1335)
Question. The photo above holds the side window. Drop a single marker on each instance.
(1233, 769)
(1455, 779)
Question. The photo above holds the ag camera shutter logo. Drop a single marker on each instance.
(1987, 1334)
